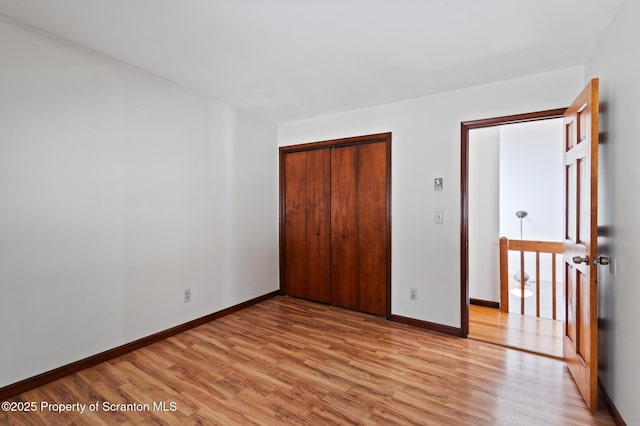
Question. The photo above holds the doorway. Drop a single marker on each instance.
(491, 188)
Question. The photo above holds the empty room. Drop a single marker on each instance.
(286, 212)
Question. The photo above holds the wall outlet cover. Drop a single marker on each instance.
(413, 294)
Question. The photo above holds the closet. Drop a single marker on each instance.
(335, 222)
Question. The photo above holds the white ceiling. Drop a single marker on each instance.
(285, 60)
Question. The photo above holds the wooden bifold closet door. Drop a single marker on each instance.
(335, 222)
(307, 234)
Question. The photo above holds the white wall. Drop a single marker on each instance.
(531, 177)
(484, 214)
(617, 65)
(426, 144)
(118, 190)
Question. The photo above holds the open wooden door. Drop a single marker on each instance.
(580, 341)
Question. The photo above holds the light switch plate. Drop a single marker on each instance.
(439, 216)
(437, 184)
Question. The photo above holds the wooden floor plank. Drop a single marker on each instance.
(289, 361)
(526, 332)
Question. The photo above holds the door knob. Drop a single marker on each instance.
(578, 260)
(602, 260)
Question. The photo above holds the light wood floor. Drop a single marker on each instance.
(526, 332)
(288, 361)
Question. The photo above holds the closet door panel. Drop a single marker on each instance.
(359, 227)
(344, 228)
(307, 230)
(371, 211)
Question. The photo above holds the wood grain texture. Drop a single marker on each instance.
(65, 370)
(539, 335)
(581, 232)
(307, 231)
(290, 361)
(372, 226)
(535, 246)
(504, 274)
(359, 227)
(355, 272)
(345, 283)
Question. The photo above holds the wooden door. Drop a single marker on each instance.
(580, 344)
(359, 227)
(307, 218)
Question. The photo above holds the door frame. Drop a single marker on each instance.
(336, 143)
(465, 127)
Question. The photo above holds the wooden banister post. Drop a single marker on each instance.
(553, 284)
(522, 282)
(538, 281)
(504, 274)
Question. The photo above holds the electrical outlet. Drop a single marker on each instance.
(187, 295)
(413, 294)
